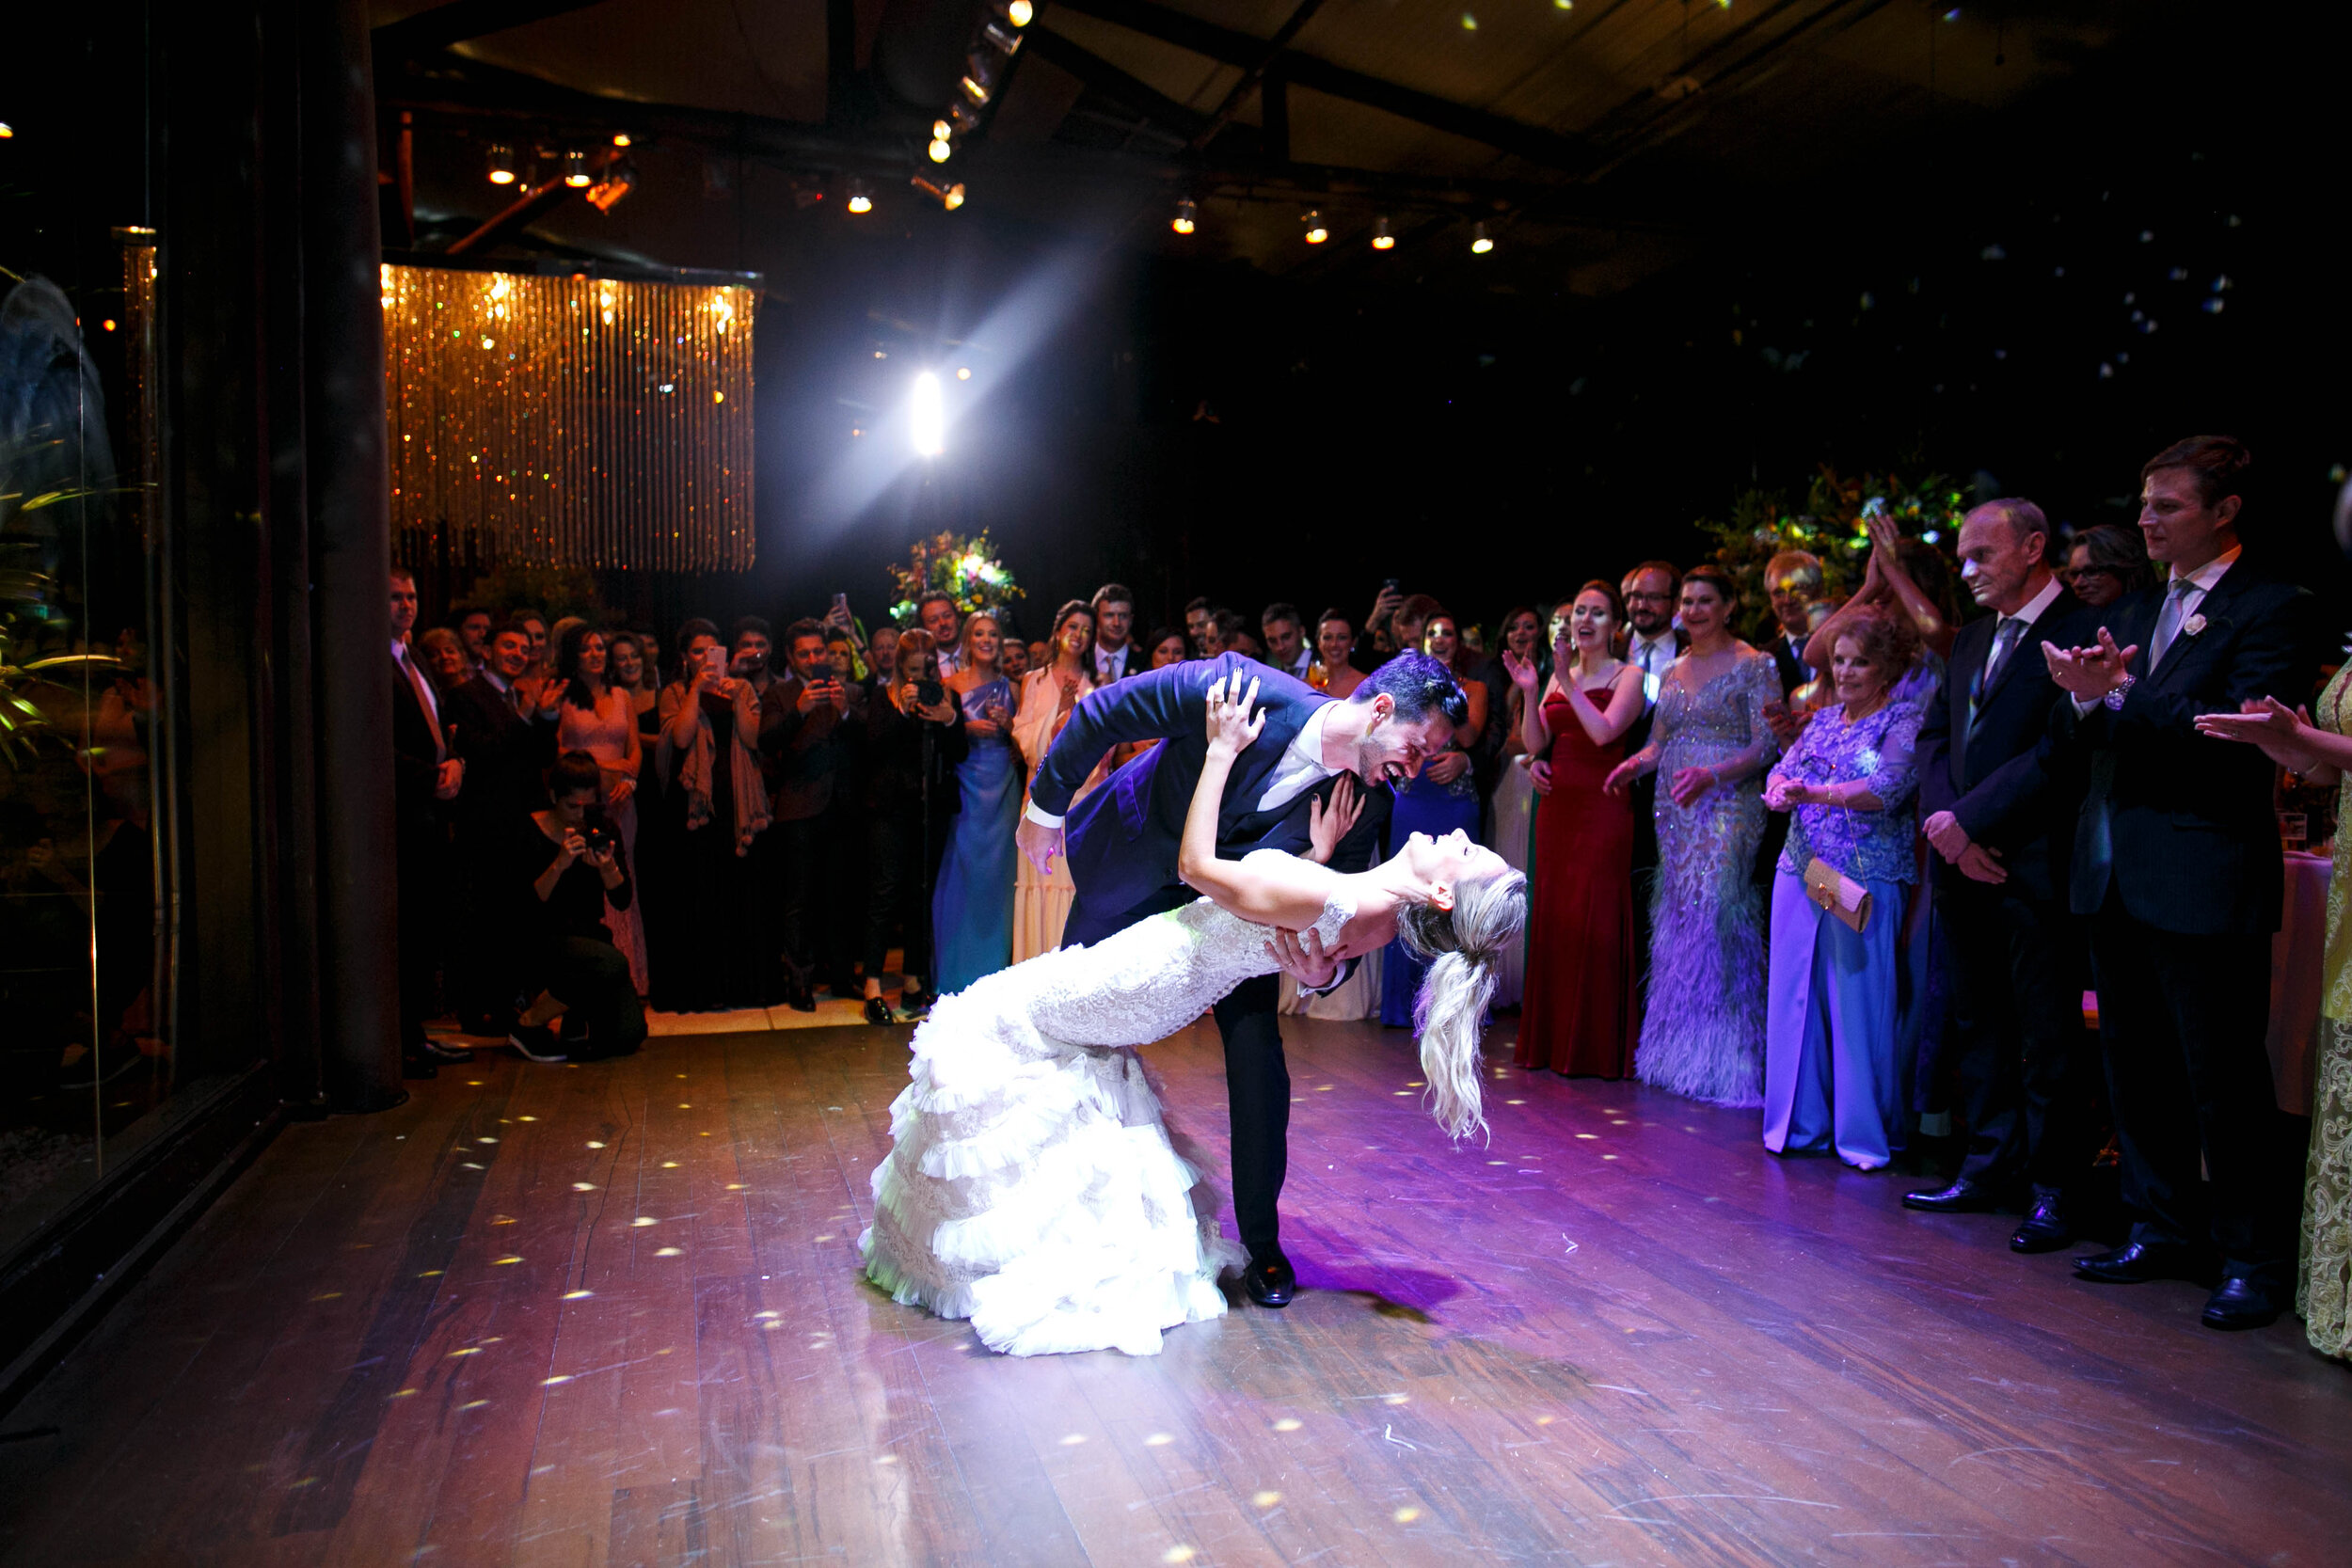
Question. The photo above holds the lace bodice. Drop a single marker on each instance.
(1146, 982)
(1716, 722)
(1870, 846)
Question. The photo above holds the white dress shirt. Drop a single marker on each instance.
(1110, 664)
(2177, 609)
(1653, 657)
(423, 689)
(1300, 770)
(1299, 666)
(2030, 612)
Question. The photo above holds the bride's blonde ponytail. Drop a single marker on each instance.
(1463, 949)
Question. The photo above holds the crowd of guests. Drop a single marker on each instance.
(1858, 877)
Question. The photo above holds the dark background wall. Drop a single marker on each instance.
(2032, 303)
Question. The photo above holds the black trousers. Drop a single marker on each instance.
(1257, 1078)
(2182, 1024)
(899, 883)
(483, 974)
(591, 978)
(820, 915)
(2026, 1063)
(422, 868)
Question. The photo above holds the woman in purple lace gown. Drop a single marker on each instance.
(1831, 1074)
(1703, 1027)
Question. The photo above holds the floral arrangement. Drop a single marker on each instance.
(1831, 526)
(967, 569)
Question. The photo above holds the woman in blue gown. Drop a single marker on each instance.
(972, 903)
(1442, 798)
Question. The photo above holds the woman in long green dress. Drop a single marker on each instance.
(2320, 748)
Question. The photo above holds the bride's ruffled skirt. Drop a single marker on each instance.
(1034, 1189)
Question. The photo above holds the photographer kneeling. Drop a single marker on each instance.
(565, 862)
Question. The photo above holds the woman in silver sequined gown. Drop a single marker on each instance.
(1702, 1018)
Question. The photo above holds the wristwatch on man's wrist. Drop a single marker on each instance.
(2114, 699)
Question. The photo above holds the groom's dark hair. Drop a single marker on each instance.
(1418, 686)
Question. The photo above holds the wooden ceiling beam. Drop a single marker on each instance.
(461, 20)
(1570, 154)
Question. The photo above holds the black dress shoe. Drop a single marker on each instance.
(915, 1005)
(2045, 1228)
(1962, 1196)
(1270, 1281)
(2137, 1262)
(878, 1011)
(2243, 1304)
(798, 997)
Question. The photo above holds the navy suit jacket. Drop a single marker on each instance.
(506, 757)
(1121, 841)
(2181, 826)
(2009, 791)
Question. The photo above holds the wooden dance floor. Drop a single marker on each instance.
(613, 1314)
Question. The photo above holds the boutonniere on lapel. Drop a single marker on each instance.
(2193, 626)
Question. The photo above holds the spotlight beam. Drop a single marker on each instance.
(927, 417)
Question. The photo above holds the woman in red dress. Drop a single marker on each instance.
(1578, 1016)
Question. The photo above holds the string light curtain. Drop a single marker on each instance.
(571, 421)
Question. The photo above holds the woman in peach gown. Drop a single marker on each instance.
(600, 720)
(1049, 694)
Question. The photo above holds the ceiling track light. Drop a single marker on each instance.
(1317, 230)
(618, 180)
(1481, 242)
(622, 138)
(1019, 12)
(501, 163)
(962, 118)
(941, 150)
(984, 68)
(974, 91)
(948, 197)
(576, 170)
(1187, 216)
(1001, 37)
(1382, 238)
(861, 197)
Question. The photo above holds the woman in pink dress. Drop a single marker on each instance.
(599, 718)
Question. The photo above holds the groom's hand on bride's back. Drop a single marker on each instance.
(1041, 844)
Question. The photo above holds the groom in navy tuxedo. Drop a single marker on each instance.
(1122, 841)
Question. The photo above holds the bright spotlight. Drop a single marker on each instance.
(1188, 217)
(501, 165)
(1317, 230)
(861, 199)
(1382, 237)
(942, 150)
(1480, 242)
(963, 372)
(941, 129)
(930, 418)
(1020, 12)
(576, 170)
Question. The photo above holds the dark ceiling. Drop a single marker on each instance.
(1599, 141)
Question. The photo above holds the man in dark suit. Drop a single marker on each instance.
(1652, 644)
(2177, 867)
(2001, 814)
(813, 712)
(1116, 656)
(1123, 843)
(1793, 579)
(426, 778)
(507, 745)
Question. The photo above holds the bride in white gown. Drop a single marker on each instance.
(1032, 1186)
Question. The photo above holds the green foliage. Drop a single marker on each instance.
(967, 569)
(1830, 527)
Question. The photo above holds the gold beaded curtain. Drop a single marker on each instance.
(570, 421)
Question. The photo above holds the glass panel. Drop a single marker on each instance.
(84, 969)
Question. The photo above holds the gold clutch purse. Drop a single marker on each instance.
(1837, 893)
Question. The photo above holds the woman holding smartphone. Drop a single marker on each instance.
(914, 741)
(704, 949)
